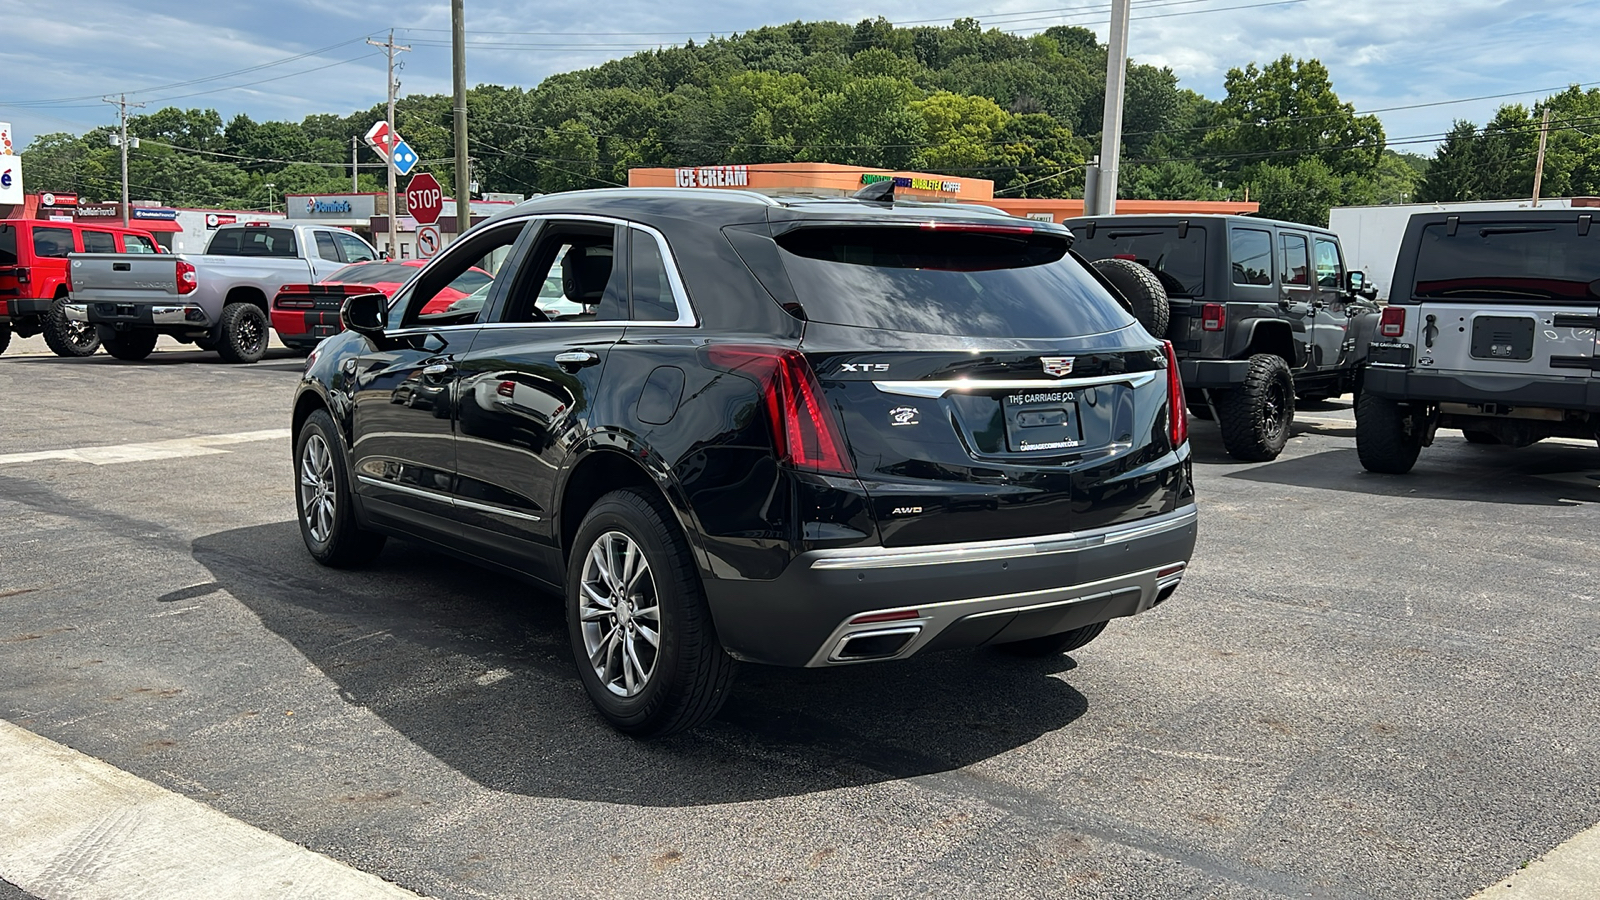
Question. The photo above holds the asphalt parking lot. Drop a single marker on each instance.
(1368, 686)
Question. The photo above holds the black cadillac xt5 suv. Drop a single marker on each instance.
(727, 427)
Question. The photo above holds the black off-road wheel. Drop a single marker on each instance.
(130, 345)
(1053, 644)
(243, 333)
(322, 498)
(1143, 291)
(66, 337)
(642, 636)
(1258, 415)
(1388, 435)
(5, 336)
(1480, 437)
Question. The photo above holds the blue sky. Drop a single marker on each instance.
(1383, 53)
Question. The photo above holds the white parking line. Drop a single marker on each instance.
(204, 445)
(1569, 872)
(75, 828)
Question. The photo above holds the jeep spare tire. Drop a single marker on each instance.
(1142, 290)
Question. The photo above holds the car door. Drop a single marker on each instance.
(403, 455)
(1332, 307)
(352, 248)
(322, 251)
(528, 387)
(1296, 296)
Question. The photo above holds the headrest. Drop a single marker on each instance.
(584, 274)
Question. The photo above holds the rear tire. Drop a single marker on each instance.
(1479, 437)
(66, 337)
(1388, 437)
(243, 333)
(131, 345)
(1140, 287)
(322, 498)
(1053, 644)
(1257, 415)
(5, 336)
(647, 653)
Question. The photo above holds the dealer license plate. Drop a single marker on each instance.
(1041, 421)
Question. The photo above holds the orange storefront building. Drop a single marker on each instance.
(834, 180)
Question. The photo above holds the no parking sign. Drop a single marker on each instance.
(428, 241)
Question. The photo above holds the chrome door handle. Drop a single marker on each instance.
(438, 370)
(577, 358)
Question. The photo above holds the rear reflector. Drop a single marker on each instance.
(1393, 321)
(804, 431)
(1213, 317)
(1170, 570)
(900, 616)
(1177, 408)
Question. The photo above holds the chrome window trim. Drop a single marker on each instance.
(1012, 548)
(935, 389)
(446, 498)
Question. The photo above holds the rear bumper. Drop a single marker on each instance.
(1551, 392)
(304, 327)
(951, 595)
(177, 316)
(23, 307)
(1213, 373)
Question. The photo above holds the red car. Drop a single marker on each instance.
(303, 314)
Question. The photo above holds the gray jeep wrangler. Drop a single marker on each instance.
(1258, 311)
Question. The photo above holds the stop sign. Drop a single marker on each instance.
(424, 199)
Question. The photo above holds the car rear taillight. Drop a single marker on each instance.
(1393, 321)
(804, 431)
(187, 279)
(1213, 317)
(1177, 408)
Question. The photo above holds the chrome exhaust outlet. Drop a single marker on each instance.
(860, 646)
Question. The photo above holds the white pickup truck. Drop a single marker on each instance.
(216, 300)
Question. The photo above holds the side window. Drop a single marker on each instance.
(98, 241)
(1296, 262)
(653, 300)
(138, 243)
(1330, 268)
(354, 249)
(1251, 253)
(326, 248)
(55, 243)
(572, 276)
(436, 298)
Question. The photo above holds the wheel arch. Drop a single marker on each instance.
(606, 463)
(1274, 336)
(248, 294)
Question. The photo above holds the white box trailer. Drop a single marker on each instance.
(1371, 234)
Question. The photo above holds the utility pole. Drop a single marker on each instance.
(1538, 168)
(394, 214)
(355, 183)
(458, 71)
(1111, 127)
(122, 104)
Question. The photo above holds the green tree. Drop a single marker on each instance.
(1288, 110)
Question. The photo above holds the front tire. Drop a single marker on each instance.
(243, 333)
(1257, 415)
(1388, 436)
(1053, 644)
(642, 636)
(322, 498)
(66, 337)
(1147, 299)
(131, 346)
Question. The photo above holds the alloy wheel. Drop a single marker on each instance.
(317, 488)
(619, 614)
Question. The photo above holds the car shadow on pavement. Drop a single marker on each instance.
(1546, 475)
(475, 669)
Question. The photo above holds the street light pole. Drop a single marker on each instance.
(458, 71)
(122, 104)
(1111, 126)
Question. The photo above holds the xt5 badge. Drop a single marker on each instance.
(905, 415)
(863, 367)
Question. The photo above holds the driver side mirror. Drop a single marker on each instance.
(1356, 283)
(365, 314)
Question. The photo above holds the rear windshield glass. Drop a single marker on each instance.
(951, 281)
(1509, 262)
(253, 242)
(1180, 263)
(8, 245)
